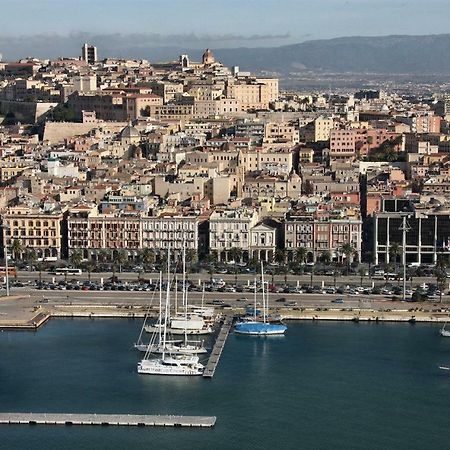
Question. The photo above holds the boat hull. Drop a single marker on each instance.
(157, 367)
(259, 329)
(179, 331)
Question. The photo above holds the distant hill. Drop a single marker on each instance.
(388, 54)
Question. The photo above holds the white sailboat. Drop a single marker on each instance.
(168, 363)
(443, 332)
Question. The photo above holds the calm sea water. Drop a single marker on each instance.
(323, 385)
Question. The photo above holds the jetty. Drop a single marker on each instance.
(216, 352)
(106, 420)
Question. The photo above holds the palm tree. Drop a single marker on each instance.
(362, 273)
(76, 258)
(148, 257)
(280, 256)
(394, 252)
(236, 254)
(31, 257)
(16, 249)
(347, 250)
(300, 255)
(89, 267)
(325, 257)
(369, 257)
(191, 257)
(103, 255)
(40, 268)
(121, 258)
(441, 281)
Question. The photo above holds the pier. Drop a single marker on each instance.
(106, 420)
(216, 352)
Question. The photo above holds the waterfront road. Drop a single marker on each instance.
(242, 279)
(33, 297)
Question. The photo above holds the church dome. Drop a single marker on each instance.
(208, 57)
(129, 132)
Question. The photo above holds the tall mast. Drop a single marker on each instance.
(184, 291)
(167, 302)
(263, 296)
(160, 308)
(254, 308)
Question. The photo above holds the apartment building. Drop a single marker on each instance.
(90, 232)
(230, 228)
(322, 234)
(35, 229)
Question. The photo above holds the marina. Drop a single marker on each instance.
(106, 420)
(376, 357)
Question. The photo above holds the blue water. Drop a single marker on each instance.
(322, 386)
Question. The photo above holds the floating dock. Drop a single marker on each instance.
(216, 352)
(106, 420)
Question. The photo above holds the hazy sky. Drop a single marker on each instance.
(226, 22)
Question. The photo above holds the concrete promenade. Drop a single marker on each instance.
(106, 419)
(33, 308)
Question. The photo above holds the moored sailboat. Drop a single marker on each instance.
(168, 362)
(252, 326)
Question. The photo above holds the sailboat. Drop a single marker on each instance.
(168, 363)
(444, 332)
(256, 327)
(192, 323)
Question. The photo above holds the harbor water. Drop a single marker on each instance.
(323, 385)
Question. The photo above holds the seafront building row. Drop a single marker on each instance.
(55, 234)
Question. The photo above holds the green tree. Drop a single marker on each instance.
(16, 249)
(103, 255)
(63, 113)
(347, 250)
(325, 257)
(40, 268)
(394, 252)
(362, 274)
(235, 254)
(76, 258)
(148, 258)
(280, 256)
(121, 258)
(441, 280)
(369, 258)
(300, 257)
(89, 267)
(31, 257)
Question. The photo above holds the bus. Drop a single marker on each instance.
(66, 271)
(12, 271)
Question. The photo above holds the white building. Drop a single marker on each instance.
(230, 229)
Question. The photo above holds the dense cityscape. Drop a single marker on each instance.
(162, 220)
(105, 159)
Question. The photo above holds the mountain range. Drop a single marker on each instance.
(387, 54)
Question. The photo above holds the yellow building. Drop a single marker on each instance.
(35, 230)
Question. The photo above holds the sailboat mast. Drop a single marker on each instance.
(263, 296)
(254, 307)
(184, 292)
(160, 308)
(166, 315)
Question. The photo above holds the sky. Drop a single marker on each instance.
(224, 23)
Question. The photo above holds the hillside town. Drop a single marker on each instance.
(108, 159)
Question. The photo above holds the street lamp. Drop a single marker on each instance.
(404, 228)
